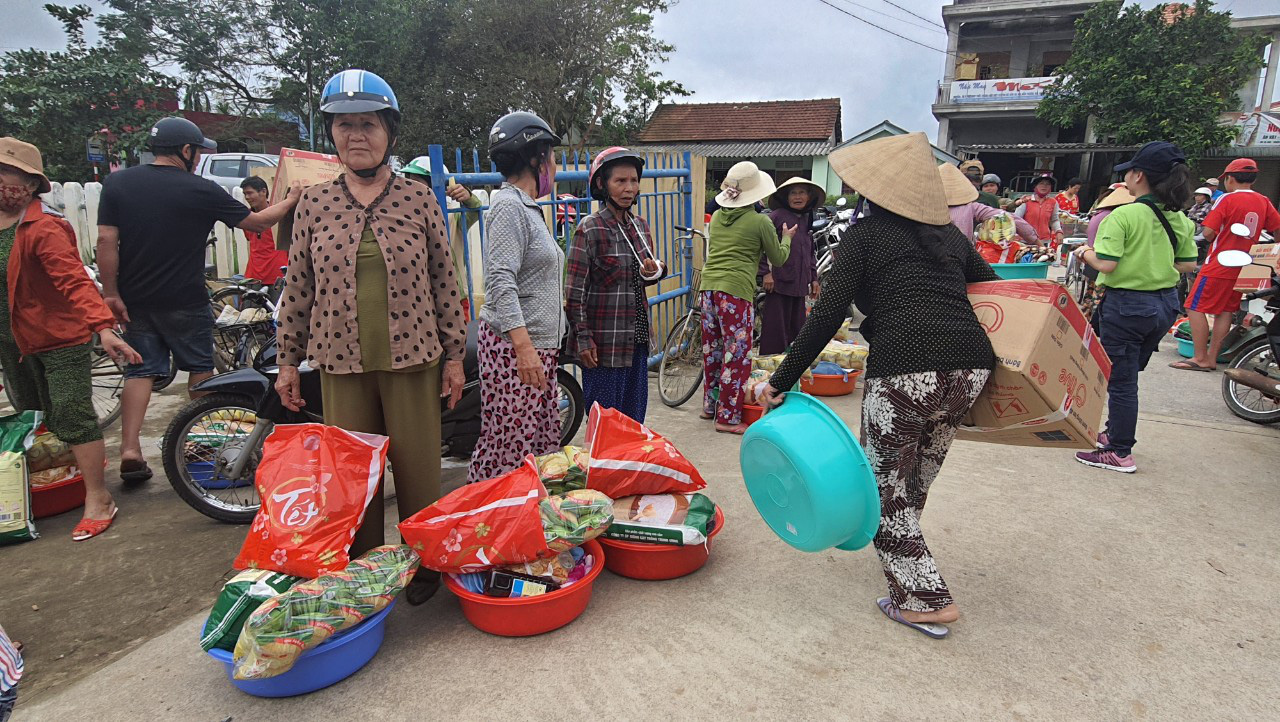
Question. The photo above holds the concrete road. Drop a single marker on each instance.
(1084, 595)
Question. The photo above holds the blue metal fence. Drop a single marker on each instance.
(663, 210)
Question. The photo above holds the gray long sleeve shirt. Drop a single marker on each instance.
(523, 270)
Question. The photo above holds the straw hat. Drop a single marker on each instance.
(779, 197)
(1119, 196)
(898, 174)
(956, 185)
(743, 185)
(26, 158)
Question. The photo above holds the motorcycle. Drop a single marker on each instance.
(1251, 384)
(214, 443)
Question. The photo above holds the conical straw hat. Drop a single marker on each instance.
(778, 199)
(956, 186)
(896, 173)
(1117, 197)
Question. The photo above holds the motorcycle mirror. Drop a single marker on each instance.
(1240, 229)
(1234, 259)
(842, 202)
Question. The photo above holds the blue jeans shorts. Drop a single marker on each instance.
(184, 333)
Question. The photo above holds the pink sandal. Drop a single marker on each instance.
(90, 528)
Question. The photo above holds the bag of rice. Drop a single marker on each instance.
(679, 519)
(239, 598)
(17, 434)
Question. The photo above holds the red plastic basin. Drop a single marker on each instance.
(830, 384)
(751, 413)
(653, 562)
(57, 498)
(527, 616)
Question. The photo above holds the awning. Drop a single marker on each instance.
(744, 149)
(1048, 148)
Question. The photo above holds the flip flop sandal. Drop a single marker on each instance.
(1188, 366)
(936, 631)
(421, 588)
(90, 528)
(738, 430)
(133, 471)
(706, 417)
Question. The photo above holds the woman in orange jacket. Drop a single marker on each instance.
(51, 312)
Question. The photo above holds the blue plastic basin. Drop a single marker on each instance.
(335, 659)
(1186, 348)
(202, 474)
(1010, 271)
(809, 478)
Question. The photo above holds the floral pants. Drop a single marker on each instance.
(908, 424)
(515, 419)
(727, 324)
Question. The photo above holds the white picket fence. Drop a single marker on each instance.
(79, 203)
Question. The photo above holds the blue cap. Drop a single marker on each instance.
(1158, 156)
(357, 91)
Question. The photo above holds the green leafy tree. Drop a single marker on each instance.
(57, 100)
(1167, 73)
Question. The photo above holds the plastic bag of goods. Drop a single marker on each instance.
(845, 355)
(315, 482)
(245, 592)
(1005, 252)
(563, 470)
(679, 519)
(17, 434)
(532, 578)
(56, 475)
(574, 518)
(1000, 229)
(767, 363)
(755, 386)
(482, 525)
(288, 624)
(628, 459)
(48, 452)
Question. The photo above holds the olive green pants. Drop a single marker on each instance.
(402, 405)
(59, 383)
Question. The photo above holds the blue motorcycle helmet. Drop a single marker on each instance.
(360, 91)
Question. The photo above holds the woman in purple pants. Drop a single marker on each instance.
(787, 286)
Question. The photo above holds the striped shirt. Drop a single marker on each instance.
(10, 663)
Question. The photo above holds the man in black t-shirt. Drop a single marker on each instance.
(153, 225)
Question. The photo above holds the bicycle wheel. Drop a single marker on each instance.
(204, 440)
(680, 373)
(106, 378)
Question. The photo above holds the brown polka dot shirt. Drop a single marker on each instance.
(318, 310)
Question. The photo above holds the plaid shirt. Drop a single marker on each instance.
(601, 296)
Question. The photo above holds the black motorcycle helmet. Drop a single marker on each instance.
(170, 134)
(603, 160)
(520, 135)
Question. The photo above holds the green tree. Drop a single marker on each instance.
(1167, 73)
(57, 100)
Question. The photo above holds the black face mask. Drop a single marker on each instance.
(188, 163)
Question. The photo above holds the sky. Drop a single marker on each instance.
(741, 50)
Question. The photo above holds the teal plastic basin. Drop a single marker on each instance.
(1011, 271)
(809, 478)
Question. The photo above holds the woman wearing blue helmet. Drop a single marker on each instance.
(372, 302)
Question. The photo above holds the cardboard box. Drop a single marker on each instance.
(1050, 382)
(306, 167)
(1257, 278)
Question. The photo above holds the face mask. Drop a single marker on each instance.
(544, 179)
(14, 198)
(1040, 193)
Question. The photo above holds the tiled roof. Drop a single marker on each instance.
(758, 149)
(817, 119)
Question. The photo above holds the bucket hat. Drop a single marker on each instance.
(743, 185)
(779, 197)
(898, 174)
(956, 186)
(972, 164)
(26, 158)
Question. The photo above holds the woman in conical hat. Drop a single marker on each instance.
(906, 266)
(788, 285)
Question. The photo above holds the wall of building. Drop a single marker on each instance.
(992, 131)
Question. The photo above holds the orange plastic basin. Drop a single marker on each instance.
(527, 616)
(830, 384)
(653, 562)
(751, 413)
(57, 498)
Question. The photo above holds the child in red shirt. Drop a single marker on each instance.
(265, 261)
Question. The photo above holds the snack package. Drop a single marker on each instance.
(17, 434)
(288, 624)
(767, 363)
(997, 230)
(850, 356)
(48, 452)
(56, 475)
(755, 385)
(315, 482)
(563, 470)
(482, 525)
(571, 519)
(679, 519)
(244, 593)
(627, 458)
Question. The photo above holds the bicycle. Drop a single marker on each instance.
(245, 316)
(680, 371)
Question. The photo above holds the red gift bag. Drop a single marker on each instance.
(627, 459)
(482, 525)
(315, 482)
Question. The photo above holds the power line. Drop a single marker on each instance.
(927, 20)
(892, 17)
(887, 30)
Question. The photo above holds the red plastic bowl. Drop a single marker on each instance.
(57, 498)
(751, 413)
(527, 616)
(654, 562)
(830, 384)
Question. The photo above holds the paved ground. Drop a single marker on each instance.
(1084, 594)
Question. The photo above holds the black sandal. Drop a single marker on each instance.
(423, 586)
(134, 471)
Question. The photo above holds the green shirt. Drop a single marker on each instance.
(736, 240)
(988, 199)
(373, 324)
(1134, 238)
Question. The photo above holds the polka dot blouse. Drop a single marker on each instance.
(918, 313)
(318, 310)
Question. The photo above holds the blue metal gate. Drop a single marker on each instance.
(659, 208)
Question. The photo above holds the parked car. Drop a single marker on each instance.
(228, 169)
